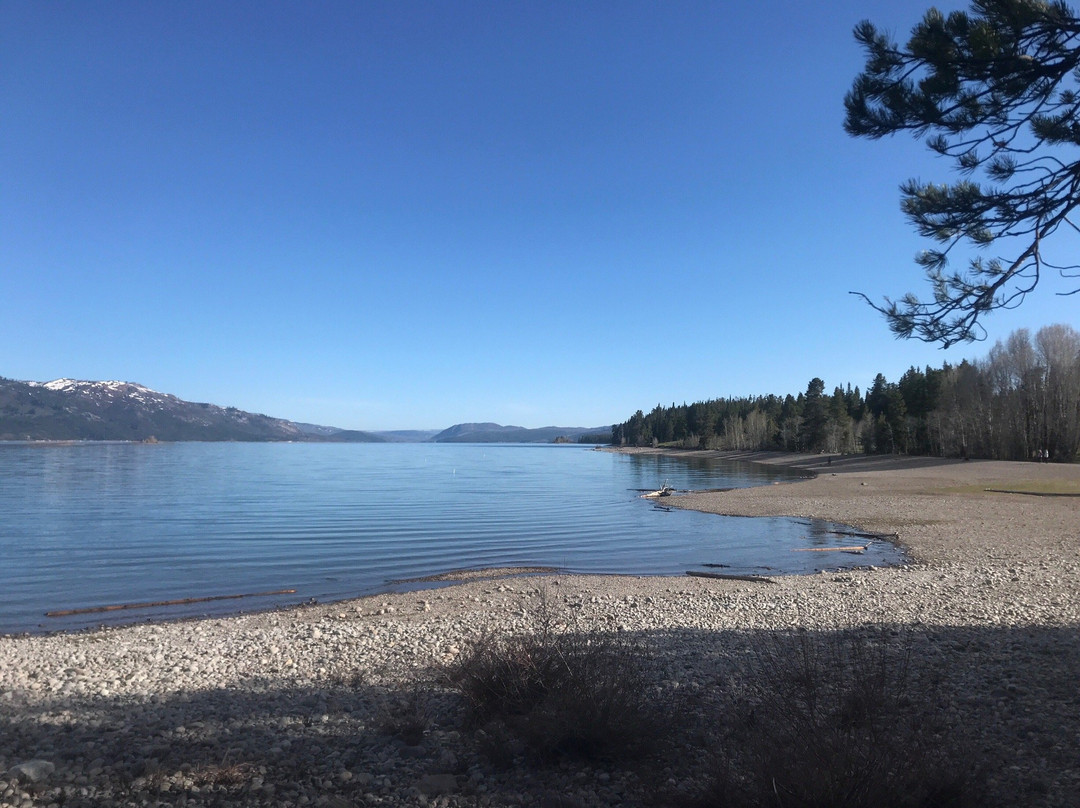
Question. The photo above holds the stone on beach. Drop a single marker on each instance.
(32, 771)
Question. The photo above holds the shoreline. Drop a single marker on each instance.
(56, 619)
(941, 510)
(295, 700)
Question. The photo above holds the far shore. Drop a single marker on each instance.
(940, 509)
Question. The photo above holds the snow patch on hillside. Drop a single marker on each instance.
(110, 388)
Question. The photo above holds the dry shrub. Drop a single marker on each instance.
(408, 714)
(832, 722)
(225, 774)
(560, 693)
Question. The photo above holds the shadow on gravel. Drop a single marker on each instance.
(990, 715)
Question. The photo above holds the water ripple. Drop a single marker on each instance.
(92, 525)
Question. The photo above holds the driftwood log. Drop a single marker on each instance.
(859, 548)
(1031, 493)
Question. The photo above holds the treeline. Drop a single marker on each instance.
(1021, 402)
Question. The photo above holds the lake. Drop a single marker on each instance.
(90, 525)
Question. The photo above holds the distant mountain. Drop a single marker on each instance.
(408, 435)
(67, 409)
(316, 429)
(495, 433)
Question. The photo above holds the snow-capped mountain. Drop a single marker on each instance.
(70, 409)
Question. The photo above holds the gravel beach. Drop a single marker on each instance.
(308, 707)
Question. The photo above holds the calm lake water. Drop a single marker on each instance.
(90, 525)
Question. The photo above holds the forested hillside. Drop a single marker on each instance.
(68, 409)
(1022, 399)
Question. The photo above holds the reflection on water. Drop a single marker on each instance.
(90, 524)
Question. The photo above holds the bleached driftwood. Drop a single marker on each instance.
(859, 548)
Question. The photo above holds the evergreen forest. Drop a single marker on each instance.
(1021, 402)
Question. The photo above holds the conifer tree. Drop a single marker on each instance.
(814, 416)
(995, 91)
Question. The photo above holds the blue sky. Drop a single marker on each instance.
(408, 215)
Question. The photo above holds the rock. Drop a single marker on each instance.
(434, 785)
(33, 771)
